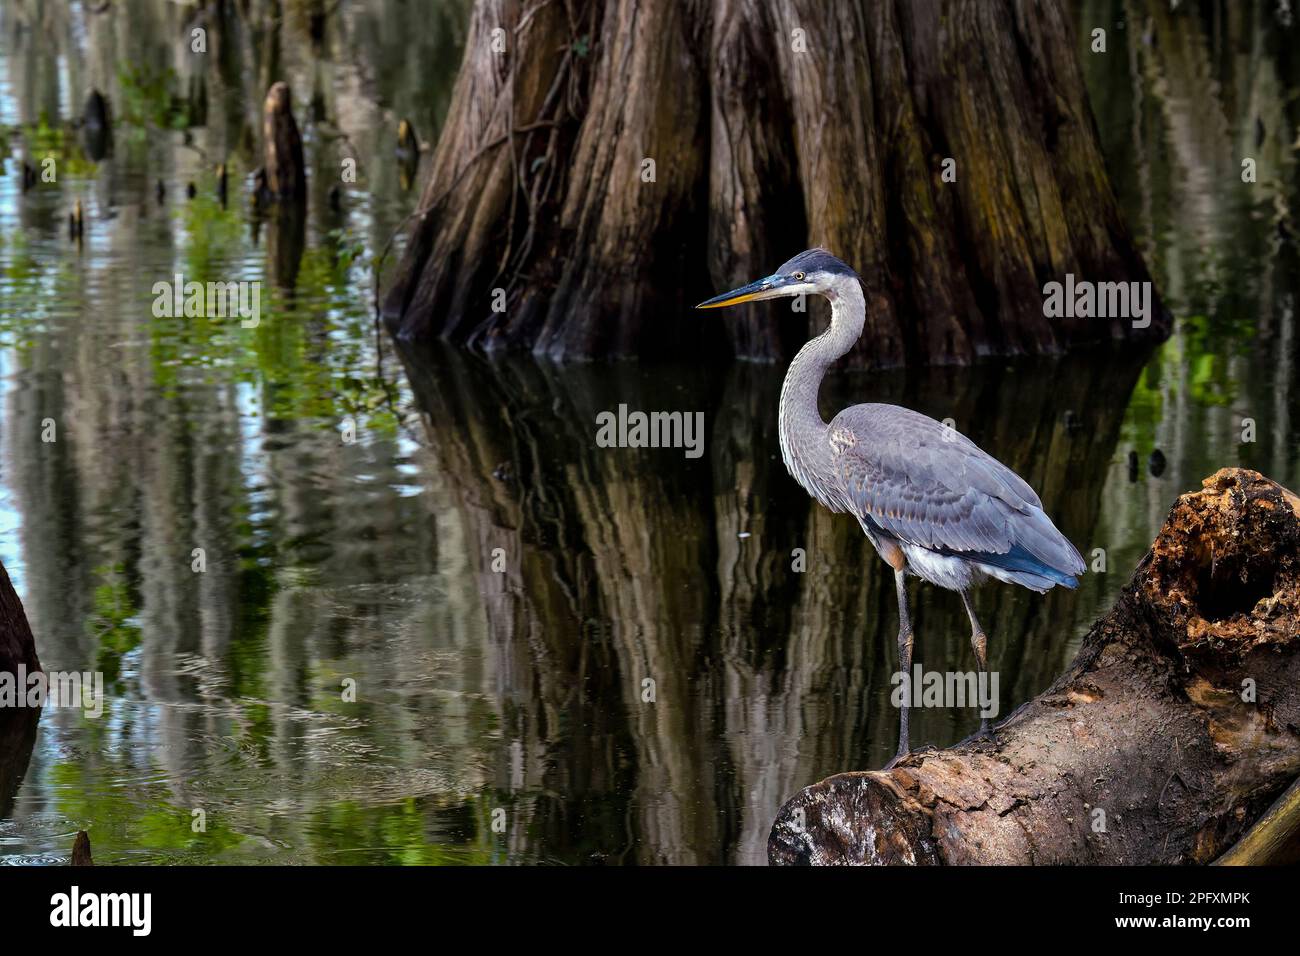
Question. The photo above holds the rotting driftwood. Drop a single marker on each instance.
(1172, 731)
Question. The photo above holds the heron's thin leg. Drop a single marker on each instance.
(904, 658)
(979, 643)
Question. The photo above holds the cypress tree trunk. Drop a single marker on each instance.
(606, 164)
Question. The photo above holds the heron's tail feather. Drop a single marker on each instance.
(1019, 566)
(1045, 550)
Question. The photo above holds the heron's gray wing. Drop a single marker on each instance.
(929, 485)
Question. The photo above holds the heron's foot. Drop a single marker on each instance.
(986, 736)
(903, 754)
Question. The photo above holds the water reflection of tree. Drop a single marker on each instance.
(1185, 94)
(253, 650)
(376, 63)
(629, 564)
(232, 675)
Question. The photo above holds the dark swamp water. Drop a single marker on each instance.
(521, 691)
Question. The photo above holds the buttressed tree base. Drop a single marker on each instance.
(605, 163)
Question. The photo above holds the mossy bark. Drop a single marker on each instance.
(771, 128)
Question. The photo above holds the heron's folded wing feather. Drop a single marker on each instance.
(929, 485)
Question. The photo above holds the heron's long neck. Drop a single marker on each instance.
(804, 444)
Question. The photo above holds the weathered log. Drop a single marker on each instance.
(17, 724)
(1175, 727)
(17, 738)
(599, 157)
(1274, 839)
(17, 647)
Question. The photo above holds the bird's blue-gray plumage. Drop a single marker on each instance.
(816, 260)
(922, 483)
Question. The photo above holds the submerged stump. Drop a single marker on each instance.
(284, 168)
(81, 850)
(1174, 729)
(280, 190)
(96, 126)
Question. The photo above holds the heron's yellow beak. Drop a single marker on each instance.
(761, 289)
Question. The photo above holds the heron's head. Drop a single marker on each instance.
(814, 271)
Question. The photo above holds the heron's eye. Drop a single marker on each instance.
(798, 275)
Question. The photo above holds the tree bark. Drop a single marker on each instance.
(771, 127)
(17, 647)
(17, 725)
(1175, 727)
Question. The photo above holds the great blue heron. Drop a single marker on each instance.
(932, 503)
